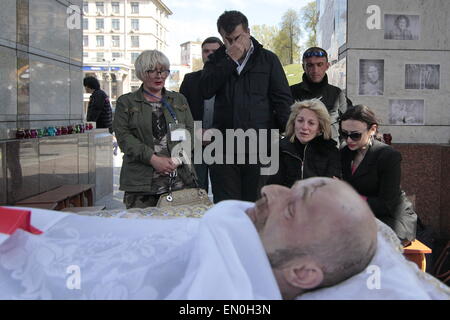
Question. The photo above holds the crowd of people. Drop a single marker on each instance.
(242, 86)
(310, 226)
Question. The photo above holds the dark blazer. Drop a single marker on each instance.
(190, 88)
(378, 178)
(318, 158)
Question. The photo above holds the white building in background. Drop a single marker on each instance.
(115, 32)
(190, 51)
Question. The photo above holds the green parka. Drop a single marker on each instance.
(133, 128)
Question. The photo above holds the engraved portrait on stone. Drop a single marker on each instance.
(371, 77)
(401, 27)
(406, 112)
(422, 76)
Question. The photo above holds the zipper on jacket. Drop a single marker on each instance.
(304, 158)
(297, 157)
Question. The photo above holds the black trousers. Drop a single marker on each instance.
(236, 181)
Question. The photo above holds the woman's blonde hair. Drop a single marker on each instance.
(318, 108)
(149, 60)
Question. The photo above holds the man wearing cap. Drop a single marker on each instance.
(315, 85)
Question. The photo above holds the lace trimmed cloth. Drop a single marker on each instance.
(196, 211)
(141, 254)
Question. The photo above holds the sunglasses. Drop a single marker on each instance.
(355, 136)
(314, 54)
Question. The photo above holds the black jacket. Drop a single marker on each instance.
(258, 98)
(99, 110)
(378, 178)
(190, 88)
(317, 158)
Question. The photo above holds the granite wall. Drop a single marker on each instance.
(32, 166)
(425, 172)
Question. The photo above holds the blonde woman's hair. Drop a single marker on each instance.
(149, 60)
(318, 108)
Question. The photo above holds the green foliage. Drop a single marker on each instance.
(286, 42)
(310, 18)
(293, 73)
(265, 35)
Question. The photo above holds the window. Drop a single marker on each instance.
(135, 24)
(85, 24)
(116, 55)
(86, 7)
(115, 24)
(135, 7)
(134, 56)
(100, 24)
(135, 41)
(100, 56)
(115, 7)
(100, 7)
(116, 41)
(85, 54)
(100, 41)
(85, 41)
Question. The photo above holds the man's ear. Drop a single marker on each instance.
(304, 274)
(303, 66)
(328, 65)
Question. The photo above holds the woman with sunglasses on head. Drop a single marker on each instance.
(308, 149)
(144, 123)
(373, 169)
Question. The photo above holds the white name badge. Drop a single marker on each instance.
(177, 132)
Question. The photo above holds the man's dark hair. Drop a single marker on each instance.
(91, 83)
(315, 52)
(229, 20)
(212, 40)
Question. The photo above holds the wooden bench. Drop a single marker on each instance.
(415, 252)
(62, 197)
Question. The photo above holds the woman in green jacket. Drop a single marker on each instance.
(144, 123)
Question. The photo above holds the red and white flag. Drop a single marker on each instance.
(13, 219)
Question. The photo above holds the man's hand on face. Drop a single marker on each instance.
(239, 47)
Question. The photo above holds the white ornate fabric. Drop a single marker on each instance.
(149, 258)
(218, 256)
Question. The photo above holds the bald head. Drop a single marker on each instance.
(342, 235)
(316, 234)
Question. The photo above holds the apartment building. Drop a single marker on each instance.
(115, 32)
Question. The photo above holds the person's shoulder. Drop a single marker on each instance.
(192, 75)
(286, 144)
(385, 152)
(325, 145)
(179, 100)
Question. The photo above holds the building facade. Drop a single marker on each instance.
(41, 90)
(191, 53)
(115, 33)
(394, 56)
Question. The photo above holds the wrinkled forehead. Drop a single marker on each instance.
(314, 60)
(305, 190)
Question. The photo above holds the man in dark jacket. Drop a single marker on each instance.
(251, 92)
(99, 108)
(315, 85)
(202, 110)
